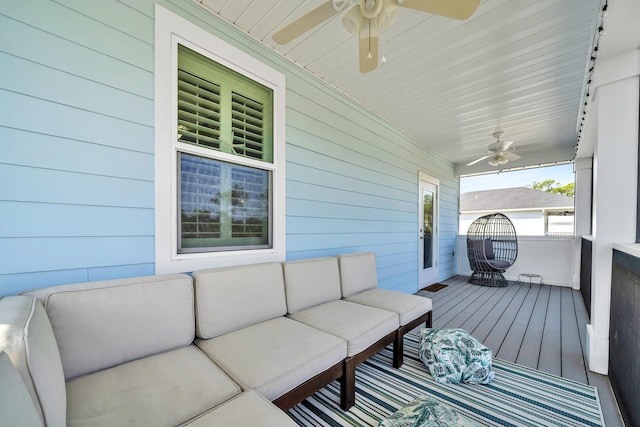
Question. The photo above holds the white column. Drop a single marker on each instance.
(583, 169)
(614, 188)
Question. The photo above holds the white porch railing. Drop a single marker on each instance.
(551, 257)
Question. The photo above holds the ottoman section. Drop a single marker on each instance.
(246, 409)
(359, 281)
(314, 298)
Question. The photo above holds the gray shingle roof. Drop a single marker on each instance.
(512, 198)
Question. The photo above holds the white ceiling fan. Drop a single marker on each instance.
(367, 17)
(500, 152)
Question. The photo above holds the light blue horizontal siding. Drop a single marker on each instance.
(31, 219)
(77, 28)
(60, 54)
(19, 147)
(77, 143)
(66, 89)
(35, 115)
(69, 253)
(14, 283)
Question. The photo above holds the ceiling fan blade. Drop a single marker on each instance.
(506, 144)
(305, 23)
(456, 9)
(480, 159)
(510, 155)
(368, 46)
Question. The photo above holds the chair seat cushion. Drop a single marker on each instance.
(359, 325)
(499, 264)
(161, 390)
(408, 307)
(274, 356)
(246, 409)
(454, 356)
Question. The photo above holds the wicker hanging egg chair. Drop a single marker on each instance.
(492, 247)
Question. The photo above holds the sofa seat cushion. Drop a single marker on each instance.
(359, 325)
(246, 409)
(161, 390)
(274, 356)
(408, 307)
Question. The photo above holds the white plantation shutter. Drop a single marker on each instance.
(247, 124)
(198, 111)
(223, 110)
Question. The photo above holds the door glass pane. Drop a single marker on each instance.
(427, 201)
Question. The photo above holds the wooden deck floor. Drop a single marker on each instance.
(542, 327)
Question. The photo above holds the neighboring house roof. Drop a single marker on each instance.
(513, 198)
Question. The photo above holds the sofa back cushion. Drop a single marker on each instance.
(228, 299)
(357, 273)
(310, 282)
(27, 338)
(99, 325)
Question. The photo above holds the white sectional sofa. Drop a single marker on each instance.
(232, 346)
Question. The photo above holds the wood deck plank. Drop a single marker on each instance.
(529, 353)
(572, 358)
(491, 318)
(513, 340)
(550, 349)
(499, 331)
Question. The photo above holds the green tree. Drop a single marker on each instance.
(553, 186)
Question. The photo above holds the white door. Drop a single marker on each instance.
(428, 231)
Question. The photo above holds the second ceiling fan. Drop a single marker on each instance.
(367, 17)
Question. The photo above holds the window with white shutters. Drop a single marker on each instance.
(223, 205)
(219, 150)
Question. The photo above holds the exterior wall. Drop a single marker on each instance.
(76, 137)
(546, 256)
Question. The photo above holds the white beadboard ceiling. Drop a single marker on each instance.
(518, 66)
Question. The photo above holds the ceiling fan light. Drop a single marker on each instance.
(494, 162)
(502, 160)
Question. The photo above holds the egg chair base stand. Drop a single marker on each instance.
(488, 278)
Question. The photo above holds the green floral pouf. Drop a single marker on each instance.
(453, 356)
(427, 411)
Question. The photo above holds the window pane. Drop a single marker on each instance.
(223, 206)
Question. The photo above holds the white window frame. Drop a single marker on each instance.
(171, 30)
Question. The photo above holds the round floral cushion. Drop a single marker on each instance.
(453, 356)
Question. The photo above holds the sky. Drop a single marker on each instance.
(521, 178)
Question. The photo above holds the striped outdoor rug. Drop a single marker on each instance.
(518, 396)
